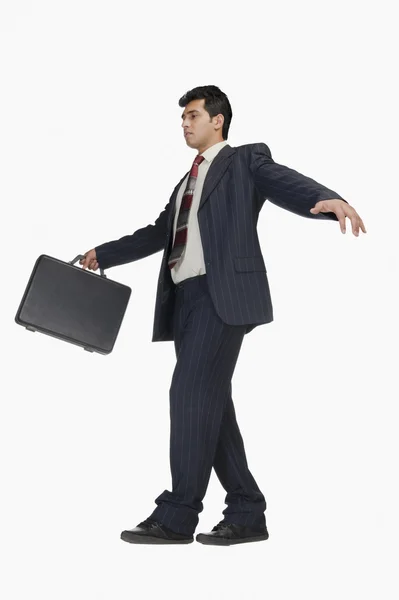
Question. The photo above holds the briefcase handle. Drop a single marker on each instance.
(78, 257)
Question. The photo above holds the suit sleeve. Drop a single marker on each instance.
(141, 243)
(286, 187)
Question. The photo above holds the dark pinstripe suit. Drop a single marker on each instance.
(207, 317)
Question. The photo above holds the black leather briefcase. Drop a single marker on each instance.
(73, 304)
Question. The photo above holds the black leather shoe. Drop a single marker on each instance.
(154, 532)
(226, 534)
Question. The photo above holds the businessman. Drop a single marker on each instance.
(212, 290)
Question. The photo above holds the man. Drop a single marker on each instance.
(212, 290)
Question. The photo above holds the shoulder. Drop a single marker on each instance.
(250, 151)
(254, 155)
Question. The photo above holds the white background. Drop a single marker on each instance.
(91, 148)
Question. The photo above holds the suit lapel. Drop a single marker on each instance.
(215, 172)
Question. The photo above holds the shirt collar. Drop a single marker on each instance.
(211, 152)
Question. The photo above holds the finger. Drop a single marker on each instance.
(355, 221)
(341, 218)
(83, 261)
(356, 224)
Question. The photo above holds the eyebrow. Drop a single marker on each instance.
(190, 111)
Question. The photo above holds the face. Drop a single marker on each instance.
(200, 131)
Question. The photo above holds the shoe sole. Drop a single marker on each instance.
(147, 539)
(202, 538)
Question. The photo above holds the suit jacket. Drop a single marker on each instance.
(238, 182)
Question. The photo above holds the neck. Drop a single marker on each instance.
(206, 146)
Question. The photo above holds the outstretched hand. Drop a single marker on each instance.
(342, 210)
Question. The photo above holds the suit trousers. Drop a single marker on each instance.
(203, 428)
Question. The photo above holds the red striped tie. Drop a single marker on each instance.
(180, 241)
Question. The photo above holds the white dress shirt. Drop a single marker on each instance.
(192, 263)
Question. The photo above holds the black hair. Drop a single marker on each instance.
(216, 102)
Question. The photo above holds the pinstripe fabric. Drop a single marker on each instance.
(238, 182)
(203, 427)
(207, 317)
